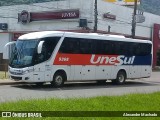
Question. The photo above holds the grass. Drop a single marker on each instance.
(3, 75)
(133, 102)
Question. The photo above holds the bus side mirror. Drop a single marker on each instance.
(10, 43)
(39, 49)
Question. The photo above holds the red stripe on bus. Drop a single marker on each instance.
(85, 59)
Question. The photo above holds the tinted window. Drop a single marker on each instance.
(87, 46)
(69, 45)
(104, 47)
(145, 49)
(139, 49)
(77, 46)
(47, 49)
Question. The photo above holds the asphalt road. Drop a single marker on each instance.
(17, 91)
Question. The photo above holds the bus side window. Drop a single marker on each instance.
(70, 45)
(129, 50)
(98, 47)
(103, 47)
(145, 49)
(73, 45)
(86, 46)
(135, 49)
(117, 48)
(83, 46)
(63, 48)
(106, 47)
(112, 48)
(149, 49)
(50, 43)
(125, 48)
(91, 46)
(47, 49)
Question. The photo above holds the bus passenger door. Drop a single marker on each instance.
(42, 72)
(39, 71)
(48, 69)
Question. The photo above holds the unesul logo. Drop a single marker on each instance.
(24, 17)
(92, 59)
(112, 60)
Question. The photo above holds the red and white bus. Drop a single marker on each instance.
(58, 57)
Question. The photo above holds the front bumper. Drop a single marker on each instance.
(23, 78)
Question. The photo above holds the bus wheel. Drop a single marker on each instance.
(58, 79)
(121, 77)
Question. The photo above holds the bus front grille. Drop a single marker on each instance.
(16, 78)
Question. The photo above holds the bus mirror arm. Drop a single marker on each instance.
(10, 43)
(40, 45)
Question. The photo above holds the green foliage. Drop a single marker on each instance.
(133, 102)
(151, 6)
(3, 75)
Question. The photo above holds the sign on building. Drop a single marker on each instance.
(123, 2)
(26, 17)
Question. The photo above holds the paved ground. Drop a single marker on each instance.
(11, 91)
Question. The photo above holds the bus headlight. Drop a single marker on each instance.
(27, 71)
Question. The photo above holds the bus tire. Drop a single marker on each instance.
(58, 79)
(120, 79)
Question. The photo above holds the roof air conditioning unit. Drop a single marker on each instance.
(83, 23)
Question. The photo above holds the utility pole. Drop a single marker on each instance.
(134, 19)
(95, 16)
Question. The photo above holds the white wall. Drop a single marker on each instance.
(71, 24)
(122, 24)
(4, 38)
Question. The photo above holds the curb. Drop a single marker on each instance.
(9, 82)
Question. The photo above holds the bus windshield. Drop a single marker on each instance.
(22, 54)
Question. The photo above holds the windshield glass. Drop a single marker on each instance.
(22, 54)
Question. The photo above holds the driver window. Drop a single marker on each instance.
(47, 49)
